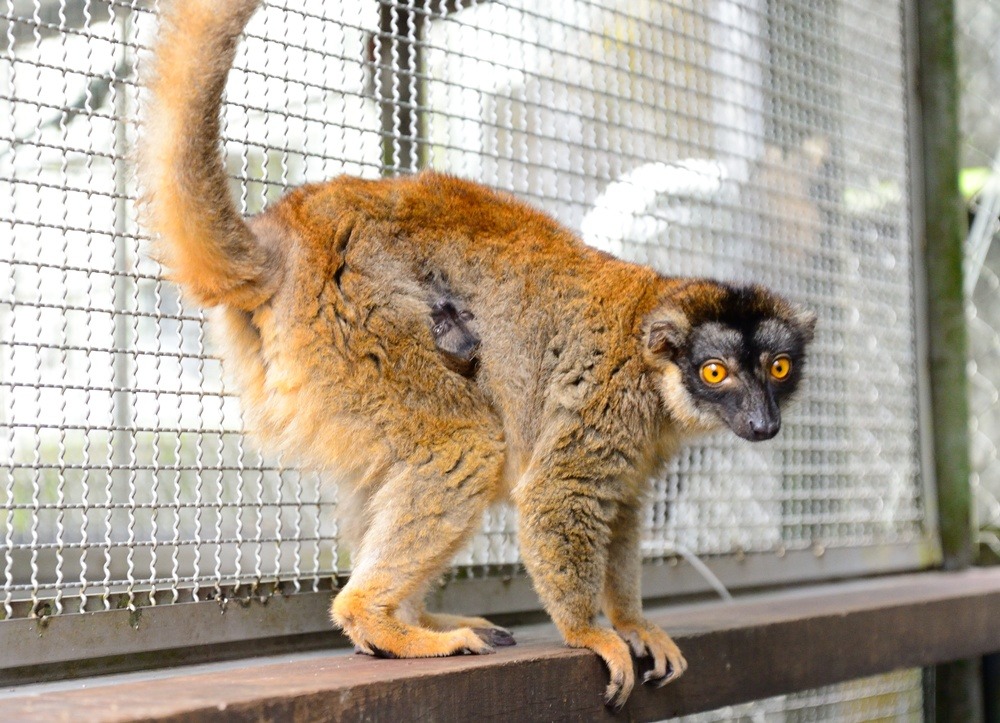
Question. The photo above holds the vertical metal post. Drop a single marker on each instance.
(958, 692)
(122, 284)
(991, 687)
(958, 685)
(944, 232)
(120, 439)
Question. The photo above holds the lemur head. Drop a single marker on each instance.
(728, 355)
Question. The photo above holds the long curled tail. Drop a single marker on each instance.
(204, 241)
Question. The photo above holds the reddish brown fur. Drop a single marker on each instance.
(324, 312)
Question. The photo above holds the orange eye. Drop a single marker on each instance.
(780, 367)
(713, 372)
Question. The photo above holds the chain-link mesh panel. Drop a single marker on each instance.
(896, 697)
(761, 141)
(979, 72)
(126, 478)
(752, 139)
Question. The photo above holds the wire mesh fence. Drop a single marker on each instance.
(126, 470)
(746, 139)
(979, 72)
(896, 697)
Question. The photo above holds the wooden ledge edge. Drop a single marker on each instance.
(756, 647)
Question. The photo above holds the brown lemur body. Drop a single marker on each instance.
(589, 369)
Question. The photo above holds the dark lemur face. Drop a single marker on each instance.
(741, 375)
(731, 355)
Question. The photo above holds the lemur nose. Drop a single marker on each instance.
(764, 428)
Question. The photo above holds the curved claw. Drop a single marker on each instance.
(617, 692)
(648, 641)
(616, 656)
(658, 681)
(379, 653)
(663, 681)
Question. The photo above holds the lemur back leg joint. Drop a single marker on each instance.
(414, 611)
(423, 514)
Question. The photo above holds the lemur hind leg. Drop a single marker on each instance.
(424, 513)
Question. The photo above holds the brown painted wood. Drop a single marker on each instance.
(759, 646)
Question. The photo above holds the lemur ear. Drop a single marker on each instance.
(666, 336)
(805, 320)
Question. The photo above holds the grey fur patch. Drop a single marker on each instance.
(714, 340)
(775, 336)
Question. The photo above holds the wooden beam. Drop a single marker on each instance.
(758, 646)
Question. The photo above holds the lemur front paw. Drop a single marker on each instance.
(649, 641)
(615, 654)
